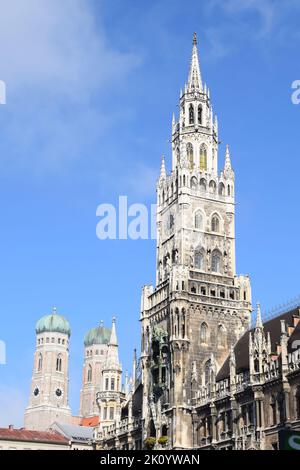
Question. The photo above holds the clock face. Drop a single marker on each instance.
(58, 392)
(36, 391)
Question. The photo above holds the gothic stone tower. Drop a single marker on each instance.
(49, 396)
(199, 307)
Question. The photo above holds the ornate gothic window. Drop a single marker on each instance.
(216, 261)
(221, 336)
(89, 373)
(200, 112)
(203, 184)
(40, 363)
(207, 368)
(203, 158)
(199, 220)
(58, 364)
(215, 223)
(112, 384)
(212, 186)
(221, 189)
(191, 115)
(199, 259)
(194, 183)
(203, 333)
(190, 155)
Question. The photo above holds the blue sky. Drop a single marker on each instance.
(91, 87)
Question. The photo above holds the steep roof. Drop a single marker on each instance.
(27, 435)
(75, 432)
(273, 327)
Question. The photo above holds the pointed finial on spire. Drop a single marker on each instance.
(163, 173)
(54, 311)
(259, 323)
(101, 323)
(194, 80)
(113, 336)
(195, 39)
(227, 159)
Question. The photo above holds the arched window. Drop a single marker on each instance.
(203, 184)
(221, 189)
(89, 373)
(212, 186)
(215, 223)
(40, 363)
(216, 261)
(112, 384)
(199, 220)
(221, 336)
(190, 154)
(203, 157)
(228, 190)
(207, 368)
(203, 333)
(194, 183)
(199, 259)
(58, 364)
(200, 112)
(191, 114)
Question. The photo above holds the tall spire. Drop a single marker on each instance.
(259, 323)
(195, 81)
(113, 336)
(163, 173)
(227, 159)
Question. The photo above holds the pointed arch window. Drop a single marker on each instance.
(221, 189)
(58, 364)
(199, 259)
(194, 183)
(203, 333)
(203, 158)
(200, 114)
(216, 261)
(207, 369)
(89, 373)
(199, 220)
(40, 363)
(215, 223)
(112, 384)
(203, 184)
(221, 336)
(190, 154)
(191, 115)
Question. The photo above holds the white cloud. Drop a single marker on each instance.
(59, 44)
(56, 60)
(12, 406)
(250, 20)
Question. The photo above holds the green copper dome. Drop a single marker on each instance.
(53, 323)
(99, 335)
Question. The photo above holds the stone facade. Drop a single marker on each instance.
(205, 381)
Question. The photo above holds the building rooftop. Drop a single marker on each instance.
(26, 435)
(273, 326)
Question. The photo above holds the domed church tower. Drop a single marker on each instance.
(49, 396)
(102, 371)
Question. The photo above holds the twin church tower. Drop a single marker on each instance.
(198, 308)
(101, 392)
